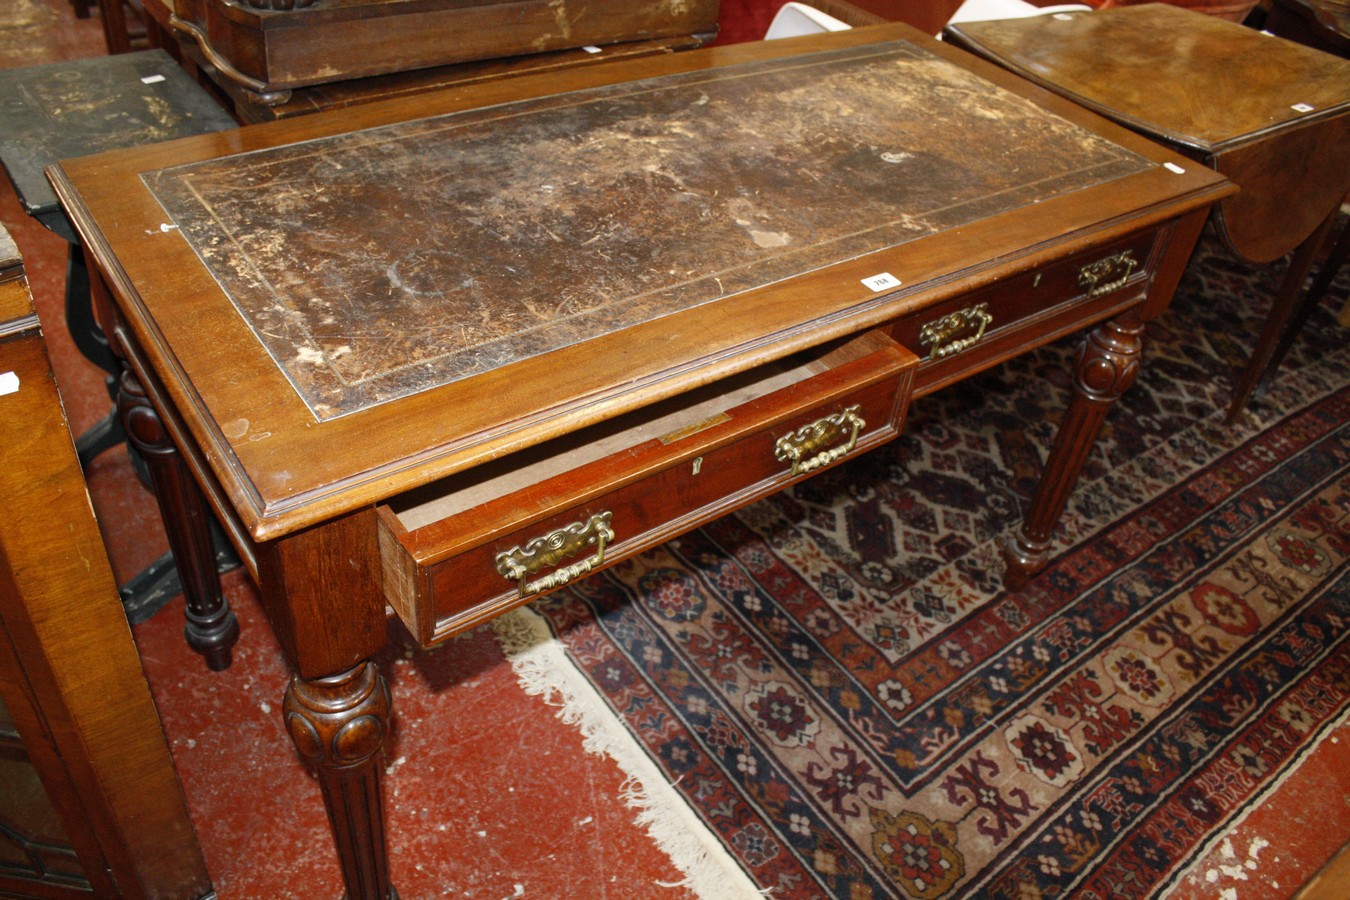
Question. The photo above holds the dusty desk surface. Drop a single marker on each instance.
(437, 249)
(480, 270)
(65, 109)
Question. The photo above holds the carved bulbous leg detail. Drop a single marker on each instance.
(339, 722)
(1107, 366)
(212, 629)
(338, 725)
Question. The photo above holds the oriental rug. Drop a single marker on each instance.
(841, 692)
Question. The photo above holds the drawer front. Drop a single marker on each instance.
(995, 323)
(614, 507)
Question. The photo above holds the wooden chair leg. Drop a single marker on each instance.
(116, 34)
(1325, 275)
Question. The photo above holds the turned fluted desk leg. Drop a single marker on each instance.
(338, 725)
(1287, 314)
(1107, 365)
(321, 588)
(211, 626)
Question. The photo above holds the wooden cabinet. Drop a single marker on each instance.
(89, 800)
(278, 45)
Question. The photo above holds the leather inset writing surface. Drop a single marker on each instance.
(376, 264)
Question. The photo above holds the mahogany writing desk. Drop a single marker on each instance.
(449, 354)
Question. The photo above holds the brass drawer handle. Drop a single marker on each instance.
(939, 332)
(811, 438)
(1107, 274)
(519, 563)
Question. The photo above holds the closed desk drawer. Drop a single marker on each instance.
(476, 544)
(991, 324)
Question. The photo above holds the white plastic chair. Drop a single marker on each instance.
(984, 10)
(796, 19)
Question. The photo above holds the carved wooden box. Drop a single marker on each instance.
(276, 45)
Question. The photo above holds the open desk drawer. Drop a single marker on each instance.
(473, 545)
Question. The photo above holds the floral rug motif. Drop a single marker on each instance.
(839, 687)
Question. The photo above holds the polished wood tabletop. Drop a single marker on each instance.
(1270, 114)
(393, 344)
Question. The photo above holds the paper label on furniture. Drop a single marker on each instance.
(1173, 167)
(152, 79)
(9, 383)
(1301, 107)
(882, 282)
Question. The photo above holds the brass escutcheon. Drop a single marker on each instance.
(811, 438)
(1107, 274)
(519, 563)
(937, 333)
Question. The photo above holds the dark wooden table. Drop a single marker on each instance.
(1271, 115)
(272, 47)
(449, 353)
(252, 102)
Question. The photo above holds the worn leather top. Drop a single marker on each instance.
(379, 263)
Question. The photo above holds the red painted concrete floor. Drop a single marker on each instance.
(488, 794)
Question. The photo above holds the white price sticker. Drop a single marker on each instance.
(152, 79)
(9, 383)
(882, 282)
(1173, 167)
(1301, 107)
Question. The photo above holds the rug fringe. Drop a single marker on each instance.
(543, 669)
